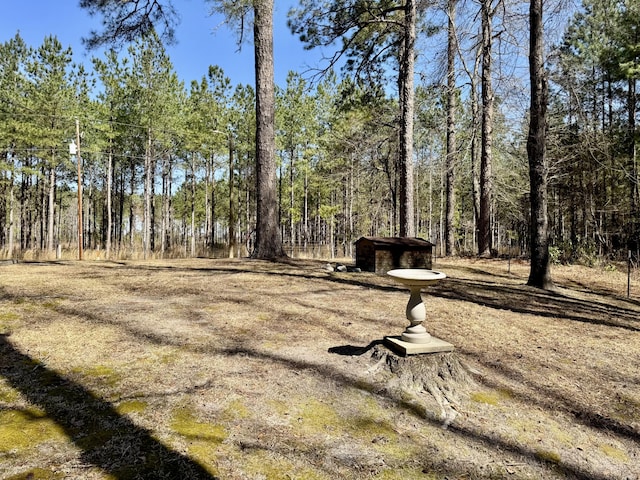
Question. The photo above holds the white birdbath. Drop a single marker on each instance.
(416, 339)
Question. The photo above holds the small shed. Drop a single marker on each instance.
(381, 254)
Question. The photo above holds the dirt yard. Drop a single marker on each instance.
(241, 369)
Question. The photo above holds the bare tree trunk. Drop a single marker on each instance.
(475, 159)
(11, 209)
(450, 248)
(633, 158)
(207, 208)
(109, 204)
(51, 208)
(212, 207)
(232, 202)
(539, 275)
(193, 205)
(146, 234)
(268, 239)
(306, 209)
(292, 235)
(164, 223)
(407, 214)
(486, 187)
(132, 224)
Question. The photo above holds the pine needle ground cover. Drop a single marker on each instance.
(241, 369)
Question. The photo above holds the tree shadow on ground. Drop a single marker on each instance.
(551, 398)
(534, 301)
(107, 439)
(36, 380)
(481, 437)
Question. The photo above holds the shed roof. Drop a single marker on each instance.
(396, 241)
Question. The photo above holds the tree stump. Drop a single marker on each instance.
(438, 381)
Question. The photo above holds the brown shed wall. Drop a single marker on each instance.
(381, 254)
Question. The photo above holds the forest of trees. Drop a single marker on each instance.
(166, 169)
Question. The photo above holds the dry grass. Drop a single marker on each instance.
(228, 369)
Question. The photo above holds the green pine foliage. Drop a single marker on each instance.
(169, 169)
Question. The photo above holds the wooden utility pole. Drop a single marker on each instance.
(79, 161)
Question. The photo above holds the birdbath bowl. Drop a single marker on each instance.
(416, 279)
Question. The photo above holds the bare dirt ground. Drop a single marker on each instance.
(241, 369)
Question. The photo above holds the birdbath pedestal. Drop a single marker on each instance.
(415, 339)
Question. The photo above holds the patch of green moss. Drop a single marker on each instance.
(548, 456)
(614, 452)
(416, 473)
(132, 406)
(492, 397)
(626, 408)
(366, 427)
(24, 429)
(8, 394)
(8, 321)
(37, 474)
(206, 456)
(8, 317)
(317, 416)
(51, 304)
(186, 424)
(281, 408)
(526, 429)
(270, 466)
(560, 434)
(235, 410)
(106, 375)
(204, 438)
(169, 358)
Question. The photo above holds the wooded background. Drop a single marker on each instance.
(168, 169)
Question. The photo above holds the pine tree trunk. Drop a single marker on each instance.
(407, 214)
(475, 153)
(51, 209)
(292, 235)
(486, 188)
(193, 205)
(12, 226)
(232, 202)
(634, 186)
(450, 248)
(109, 205)
(164, 224)
(146, 234)
(539, 275)
(268, 239)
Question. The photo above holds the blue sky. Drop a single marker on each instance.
(200, 43)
